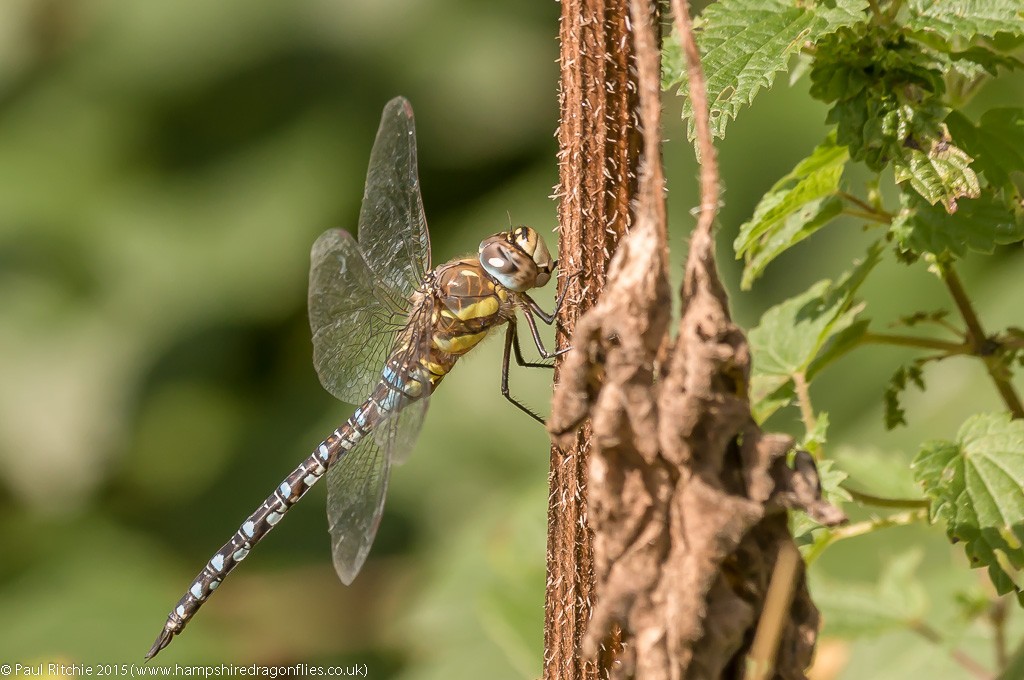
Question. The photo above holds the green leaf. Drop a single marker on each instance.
(853, 611)
(838, 345)
(797, 206)
(744, 43)
(996, 143)
(959, 21)
(979, 225)
(904, 376)
(977, 60)
(831, 479)
(976, 485)
(792, 333)
(943, 174)
(769, 393)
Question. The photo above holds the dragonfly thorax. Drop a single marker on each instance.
(517, 259)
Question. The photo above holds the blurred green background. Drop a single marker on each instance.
(164, 170)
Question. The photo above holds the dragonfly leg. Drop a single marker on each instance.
(512, 343)
(528, 313)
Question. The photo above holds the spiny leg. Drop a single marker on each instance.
(512, 342)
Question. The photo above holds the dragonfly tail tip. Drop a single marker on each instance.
(162, 640)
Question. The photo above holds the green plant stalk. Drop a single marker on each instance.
(976, 337)
(861, 528)
(944, 346)
(868, 499)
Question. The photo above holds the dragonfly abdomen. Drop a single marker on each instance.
(258, 525)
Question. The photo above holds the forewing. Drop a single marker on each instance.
(353, 321)
(392, 227)
(357, 484)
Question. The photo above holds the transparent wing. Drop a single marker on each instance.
(392, 227)
(354, 321)
(357, 484)
(359, 292)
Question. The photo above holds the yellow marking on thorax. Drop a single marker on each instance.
(488, 306)
(459, 344)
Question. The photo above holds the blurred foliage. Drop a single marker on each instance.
(165, 168)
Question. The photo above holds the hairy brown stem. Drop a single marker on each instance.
(598, 157)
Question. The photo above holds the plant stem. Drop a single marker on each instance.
(950, 348)
(976, 338)
(803, 394)
(997, 617)
(864, 215)
(962, 658)
(862, 528)
(879, 214)
(868, 499)
(774, 616)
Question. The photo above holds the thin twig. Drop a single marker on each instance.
(868, 499)
(803, 395)
(861, 528)
(977, 338)
(871, 217)
(961, 657)
(882, 214)
(764, 648)
(997, 614)
(950, 348)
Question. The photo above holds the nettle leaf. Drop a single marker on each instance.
(979, 225)
(963, 20)
(797, 206)
(943, 174)
(793, 333)
(976, 60)
(831, 479)
(885, 90)
(997, 142)
(898, 383)
(768, 393)
(976, 485)
(744, 43)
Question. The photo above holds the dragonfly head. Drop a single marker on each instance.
(517, 259)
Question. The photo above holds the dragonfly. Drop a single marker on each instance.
(387, 329)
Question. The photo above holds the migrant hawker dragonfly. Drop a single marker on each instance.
(386, 330)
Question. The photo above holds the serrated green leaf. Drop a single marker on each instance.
(817, 437)
(996, 143)
(977, 60)
(744, 43)
(976, 485)
(898, 383)
(831, 479)
(797, 206)
(959, 21)
(979, 225)
(838, 345)
(769, 393)
(942, 174)
(855, 611)
(791, 334)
